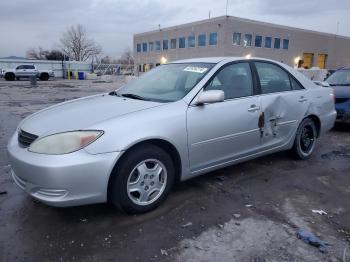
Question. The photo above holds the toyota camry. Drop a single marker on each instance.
(175, 122)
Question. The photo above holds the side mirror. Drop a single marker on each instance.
(210, 96)
(322, 83)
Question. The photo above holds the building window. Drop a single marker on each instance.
(144, 47)
(138, 48)
(268, 41)
(285, 43)
(202, 40)
(213, 38)
(182, 42)
(277, 44)
(258, 40)
(150, 46)
(157, 45)
(165, 44)
(321, 60)
(247, 40)
(173, 43)
(236, 38)
(191, 41)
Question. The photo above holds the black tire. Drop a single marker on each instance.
(44, 76)
(18, 78)
(119, 194)
(9, 76)
(305, 139)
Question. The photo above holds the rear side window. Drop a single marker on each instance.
(29, 67)
(272, 78)
(235, 80)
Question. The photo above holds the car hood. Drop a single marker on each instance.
(341, 91)
(81, 114)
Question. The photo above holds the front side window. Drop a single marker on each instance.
(138, 48)
(268, 41)
(277, 44)
(272, 78)
(144, 47)
(150, 45)
(285, 43)
(158, 45)
(191, 41)
(213, 38)
(235, 80)
(182, 42)
(165, 44)
(166, 83)
(247, 40)
(258, 40)
(236, 38)
(173, 43)
(202, 40)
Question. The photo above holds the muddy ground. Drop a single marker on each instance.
(248, 212)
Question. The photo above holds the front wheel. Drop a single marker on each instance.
(142, 179)
(305, 139)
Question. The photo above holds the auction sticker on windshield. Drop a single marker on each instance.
(196, 69)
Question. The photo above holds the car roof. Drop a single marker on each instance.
(200, 60)
(217, 60)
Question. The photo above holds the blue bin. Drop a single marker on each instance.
(81, 75)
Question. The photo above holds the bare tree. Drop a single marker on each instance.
(37, 53)
(126, 58)
(76, 44)
(41, 54)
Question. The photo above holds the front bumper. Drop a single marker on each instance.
(62, 180)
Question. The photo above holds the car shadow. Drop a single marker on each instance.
(342, 126)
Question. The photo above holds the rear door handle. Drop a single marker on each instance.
(253, 108)
(302, 99)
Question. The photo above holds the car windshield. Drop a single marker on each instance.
(339, 78)
(166, 83)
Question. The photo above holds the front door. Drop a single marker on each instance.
(221, 132)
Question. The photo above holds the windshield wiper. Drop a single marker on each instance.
(133, 96)
(348, 84)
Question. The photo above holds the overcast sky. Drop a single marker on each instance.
(111, 23)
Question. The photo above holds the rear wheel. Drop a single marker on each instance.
(142, 179)
(9, 76)
(305, 139)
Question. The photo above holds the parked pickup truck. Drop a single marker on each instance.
(25, 71)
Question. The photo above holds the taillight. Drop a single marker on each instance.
(332, 94)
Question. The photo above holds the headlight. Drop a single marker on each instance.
(64, 143)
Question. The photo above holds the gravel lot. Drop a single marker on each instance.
(247, 212)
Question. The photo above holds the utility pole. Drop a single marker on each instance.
(335, 45)
(226, 7)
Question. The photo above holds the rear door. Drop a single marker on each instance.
(221, 132)
(284, 103)
(30, 70)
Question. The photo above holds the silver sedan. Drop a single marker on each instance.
(175, 122)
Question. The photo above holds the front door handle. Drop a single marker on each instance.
(302, 99)
(253, 108)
